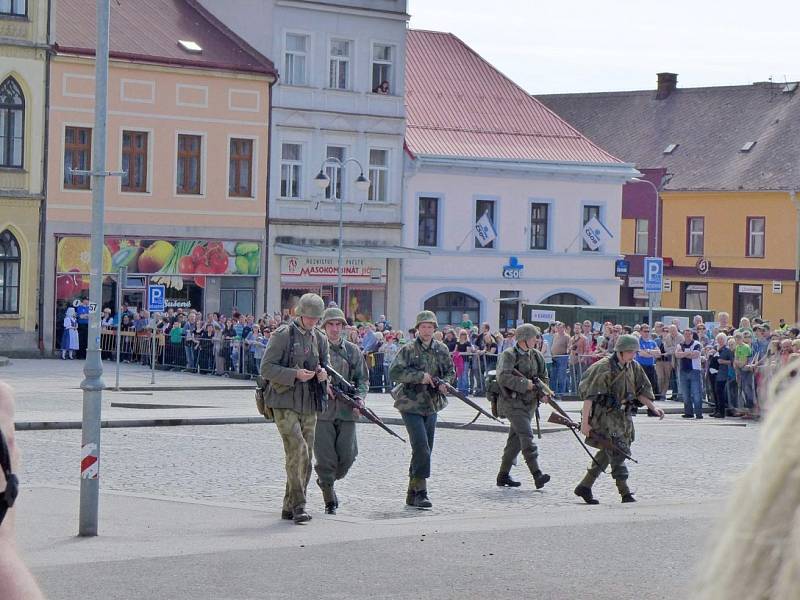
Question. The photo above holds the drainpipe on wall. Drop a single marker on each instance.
(796, 203)
(43, 203)
(266, 254)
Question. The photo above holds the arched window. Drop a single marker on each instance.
(566, 298)
(450, 308)
(12, 123)
(9, 273)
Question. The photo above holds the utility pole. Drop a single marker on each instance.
(93, 385)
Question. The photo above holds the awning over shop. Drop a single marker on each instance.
(350, 251)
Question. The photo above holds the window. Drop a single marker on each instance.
(484, 207)
(13, 7)
(78, 156)
(539, 216)
(756, 233)
(428, 222)
(12, 121)
(339, 78)
(188, 164)
(694, 234)
(642, 242)
(291, 170)
(590, 211)
(335, 173)
(378, 175)
(294, 72)
(567, 298)
(449, 308)
(134, 161)
(240, 168)
(9, 273)
(694, 296)
(381, 65)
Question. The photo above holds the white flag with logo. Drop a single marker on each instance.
(484, 230)
(594, 233)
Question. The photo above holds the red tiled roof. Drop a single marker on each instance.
(458, 105)
(149, 30)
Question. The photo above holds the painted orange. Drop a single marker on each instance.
(725, 241)
(217, 105)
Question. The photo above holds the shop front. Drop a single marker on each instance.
(204, 275)
(363, 283)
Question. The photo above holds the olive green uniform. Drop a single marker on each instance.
(335, 444)
(613, 389)
(517, 403)
(293, 402)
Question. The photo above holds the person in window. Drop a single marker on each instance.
(382, 89)
(69, 339)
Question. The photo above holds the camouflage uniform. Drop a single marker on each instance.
(292, 402)
(419, 403)
(335, 444)
(517, 403)
(613, 389)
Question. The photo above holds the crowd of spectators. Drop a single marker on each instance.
(715, 363)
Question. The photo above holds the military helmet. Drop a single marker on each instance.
(527, 332)
(626, 343)
(333, 314)
(426, 316)
(310, 305)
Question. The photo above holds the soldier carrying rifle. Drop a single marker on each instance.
(612, 390)
(518, 400)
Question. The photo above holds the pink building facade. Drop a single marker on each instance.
(190, 131)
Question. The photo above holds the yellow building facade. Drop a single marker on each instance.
(731, 251)
(23, 68)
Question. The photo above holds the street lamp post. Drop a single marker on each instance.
(323, 181)
(655, 244)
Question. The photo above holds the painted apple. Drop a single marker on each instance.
(155, 256)
(186, 265)
(66, 287)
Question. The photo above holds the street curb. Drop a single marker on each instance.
(4, 361)
(189, 421)
(172, 388)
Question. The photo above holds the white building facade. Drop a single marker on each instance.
(332, 58)
(479, 146)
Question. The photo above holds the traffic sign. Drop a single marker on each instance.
(653, 275)
(156, 297)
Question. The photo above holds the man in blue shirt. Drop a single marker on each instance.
(646, 357)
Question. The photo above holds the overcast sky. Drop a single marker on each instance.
(586, 45)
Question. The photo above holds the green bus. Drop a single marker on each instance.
(625, 315)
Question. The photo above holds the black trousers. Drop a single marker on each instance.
(83, 340)
(721, 395)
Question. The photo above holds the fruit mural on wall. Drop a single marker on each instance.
(167, 262)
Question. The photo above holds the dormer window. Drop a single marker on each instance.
(189, 46)
(747, 147)
(670, 148)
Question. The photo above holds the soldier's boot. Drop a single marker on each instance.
(421, 499)
(299, 515)
(624, 491)
(584, 488)
(411, 492)
(504, 480)
(287, 515)
(328, 496)
(539, 479)
(585, 492)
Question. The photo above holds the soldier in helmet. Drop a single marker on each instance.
(296, 392)
(335, 443)
(612, 389)
(517, 402)
(419, 401)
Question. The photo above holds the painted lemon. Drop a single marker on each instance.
(74, 254)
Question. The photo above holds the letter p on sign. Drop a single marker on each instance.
(653, 275)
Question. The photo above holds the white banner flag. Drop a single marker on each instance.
(594, 232)
(484, 230)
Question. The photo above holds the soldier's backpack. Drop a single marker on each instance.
(493, 388)
(262, 384)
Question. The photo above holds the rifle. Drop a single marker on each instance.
(349, 395)
(436, 382)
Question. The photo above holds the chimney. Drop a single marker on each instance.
(667, 82)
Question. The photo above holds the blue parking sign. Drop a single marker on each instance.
(156, 297)
(653, 275)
